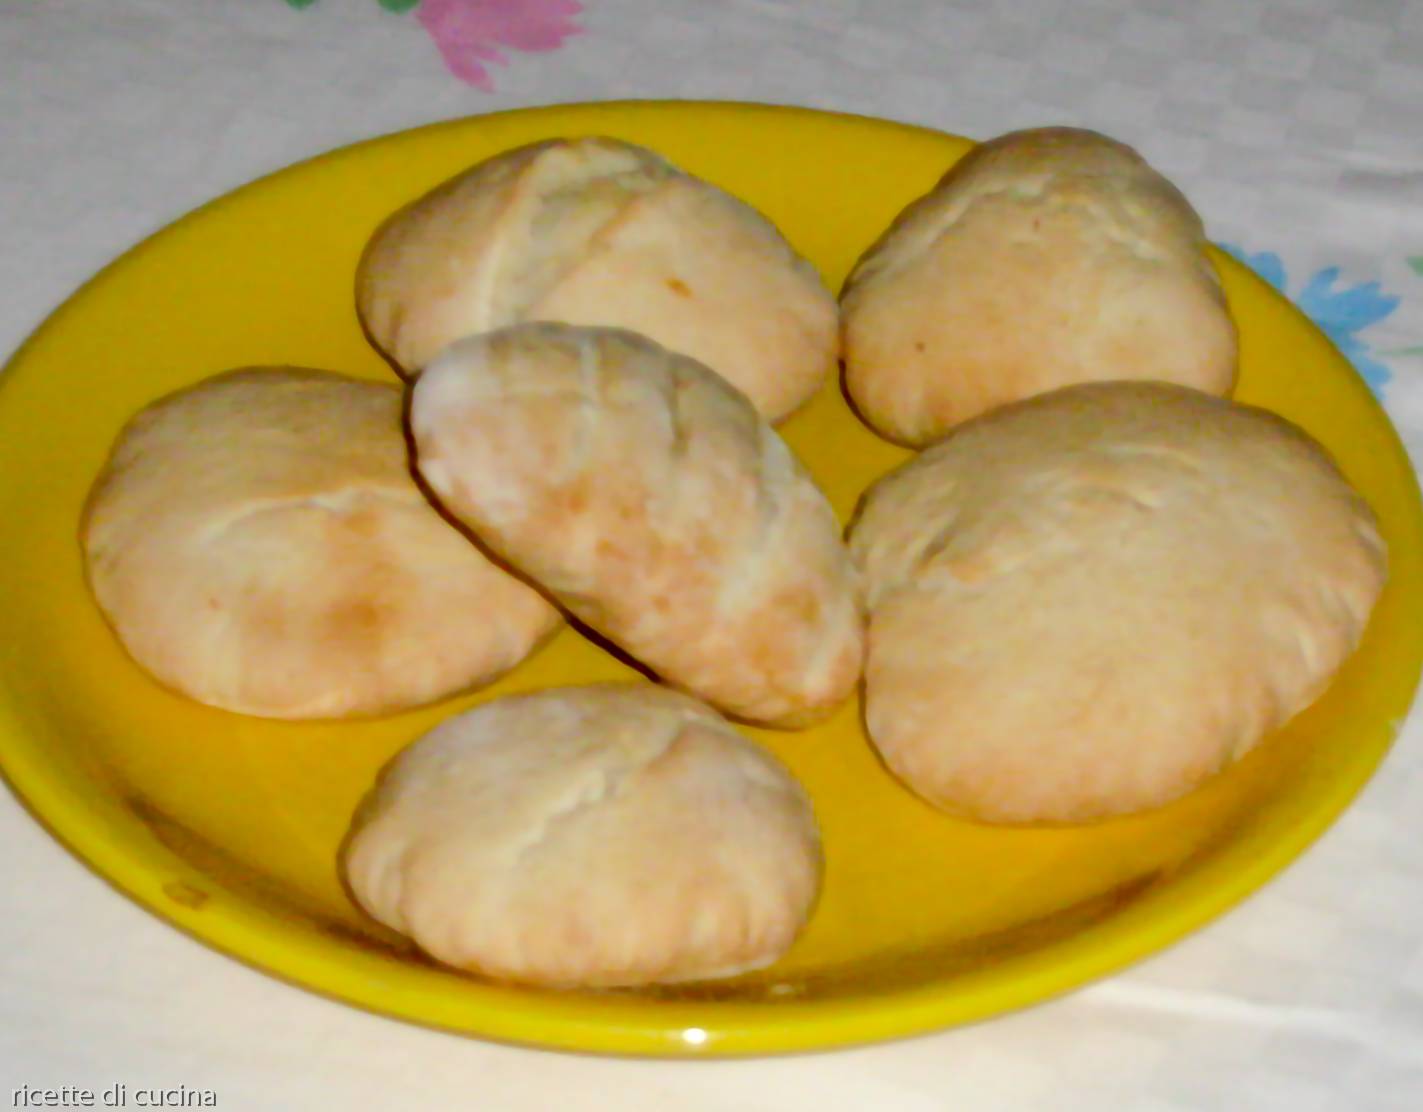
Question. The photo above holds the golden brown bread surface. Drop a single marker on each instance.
(598, 836)
(1041, 259)
(258, 543)
(597, 231)
(649, 498)
(1084, 604)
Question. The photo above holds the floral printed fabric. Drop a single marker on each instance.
(1415, 264)
(1341, 312)
(469, 33)
(473, 34)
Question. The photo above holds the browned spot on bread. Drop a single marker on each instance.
(797, 604)
(269, 618)
(358, 618)
(575, 499)
(679, 287)
(363, 522)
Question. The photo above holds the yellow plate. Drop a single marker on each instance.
(228, 826)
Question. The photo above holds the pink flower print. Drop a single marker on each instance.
(470, 33)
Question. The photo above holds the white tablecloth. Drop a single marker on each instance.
(1297, 128)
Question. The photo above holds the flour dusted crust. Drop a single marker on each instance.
(650, 499)
(600, 232)
(1084, 604)
(258, 543)
(1041, 259)
(611, 835)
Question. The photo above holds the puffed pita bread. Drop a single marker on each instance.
(601, 232)
(648, 497)
(602, 836)
(259, 543)
(1086, 603)
(1041, 259)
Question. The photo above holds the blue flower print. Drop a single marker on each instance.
(1340, 312)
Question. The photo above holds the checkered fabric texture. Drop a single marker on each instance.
(1296, 126)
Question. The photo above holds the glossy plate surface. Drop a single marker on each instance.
(228, 827)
